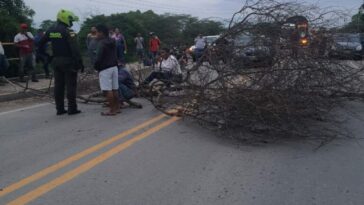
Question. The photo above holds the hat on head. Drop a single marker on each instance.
(23, 26)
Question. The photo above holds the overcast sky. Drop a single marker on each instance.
(215, 9)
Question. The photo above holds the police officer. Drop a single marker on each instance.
(66, 61)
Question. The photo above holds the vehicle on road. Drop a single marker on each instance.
(252, 50)
(347, 45)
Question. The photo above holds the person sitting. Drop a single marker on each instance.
(127, 88)
(169, 69)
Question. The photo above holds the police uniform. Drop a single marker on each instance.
(66, 63)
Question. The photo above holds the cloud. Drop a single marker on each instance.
(201, 8)
(223, 9)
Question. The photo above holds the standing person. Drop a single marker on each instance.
(169, 69)
(154, 44)
(121, 47)
(41, 52)
(111, 32)
(4, 64)
(139, 42)
(24, 40)
(91, 43)
(200, 44)
(66, 61)
(106, 64)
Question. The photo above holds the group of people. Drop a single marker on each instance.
(29, 52)
(115, 81)
(116, 35)
(106, 48)
(121, 46)
(106, 58)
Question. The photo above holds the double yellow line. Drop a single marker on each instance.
(41, 190)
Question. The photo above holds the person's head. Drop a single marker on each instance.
(200, 35)
(102, 31)
(165, 53)
(67, 17)
(40, 32)
(117, 31)
(139, 35)
(23, 27)
(93, 30)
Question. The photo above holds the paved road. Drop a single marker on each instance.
(142, 157)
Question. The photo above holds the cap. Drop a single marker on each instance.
(23, 26)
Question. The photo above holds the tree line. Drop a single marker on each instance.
(173, 30)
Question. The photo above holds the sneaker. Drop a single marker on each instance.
(35, 80)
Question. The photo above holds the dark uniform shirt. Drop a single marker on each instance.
(64, 45)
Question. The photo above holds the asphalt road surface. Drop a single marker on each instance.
(142, 157)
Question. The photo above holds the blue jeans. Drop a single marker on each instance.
(153, 55)
(198, 53)
(125, 93)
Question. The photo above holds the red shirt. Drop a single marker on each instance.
(154, 44)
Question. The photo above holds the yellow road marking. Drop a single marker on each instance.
(75, 157)
(43, 189)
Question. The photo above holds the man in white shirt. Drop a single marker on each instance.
(139, 41)
(24, 40)
(168, 69)
(200, 44)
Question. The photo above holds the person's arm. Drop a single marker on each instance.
(99, 55)
(174, 64)
(17, 40)
(72, 41)
(44, 40)
(125, 46)
(30, 35)
(88, 40)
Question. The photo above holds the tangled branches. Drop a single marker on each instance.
(269, 73)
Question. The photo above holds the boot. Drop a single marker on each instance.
(34, 78)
